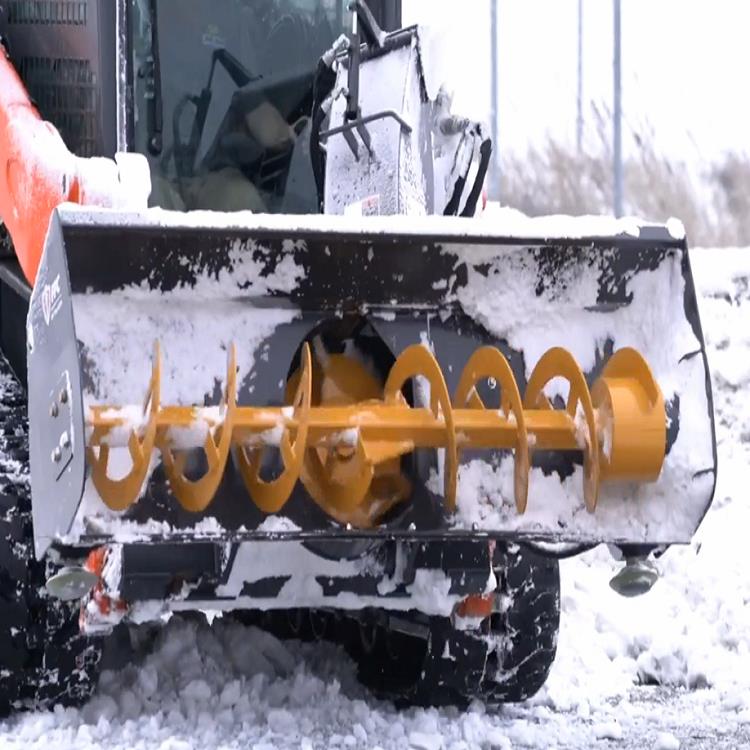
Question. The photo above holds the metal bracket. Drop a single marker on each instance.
(360, 125)
(61, 430)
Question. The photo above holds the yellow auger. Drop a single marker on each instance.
(347, 454)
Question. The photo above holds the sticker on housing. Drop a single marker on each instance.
(51, 300)
(369, 206)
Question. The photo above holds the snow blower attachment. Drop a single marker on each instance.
(365, 381)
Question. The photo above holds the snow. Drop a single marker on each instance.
(101, 523)
(666, 741)
(278, 523)
(118, 329)
(224, 685)
(693, 629)
(496, 221)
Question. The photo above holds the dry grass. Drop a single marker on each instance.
(714, 206)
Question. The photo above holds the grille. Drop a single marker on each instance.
(65, 92)
(69, 12)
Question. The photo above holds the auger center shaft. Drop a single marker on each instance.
(331, 426)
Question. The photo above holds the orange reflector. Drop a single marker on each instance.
(477, 605)
(98, 598)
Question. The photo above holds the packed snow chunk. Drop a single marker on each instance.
(197, 690)
(495, 739)
(675, 228)
(610, 730)
(282, 721)
(666, 741)
(668, 664)
(279, 524)
(148, 681)
(424, 741)
(230, 694)
(174, 744)
(255, 651)
(474, 728)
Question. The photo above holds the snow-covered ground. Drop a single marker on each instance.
(670, 669)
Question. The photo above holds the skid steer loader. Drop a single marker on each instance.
(264, 354)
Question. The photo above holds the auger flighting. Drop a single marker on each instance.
(619, 425)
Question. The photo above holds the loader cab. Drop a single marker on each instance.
(216, 93)
(222, 97)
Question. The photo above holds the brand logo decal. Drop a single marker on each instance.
(51, 300)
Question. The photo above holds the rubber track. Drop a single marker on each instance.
(506, 660)
(43, 658)
(529, 626)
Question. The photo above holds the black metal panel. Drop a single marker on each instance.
(64, 51)
(159, 570)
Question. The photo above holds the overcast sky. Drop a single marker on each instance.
(686, 65)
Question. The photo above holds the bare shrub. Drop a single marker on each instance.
(731, 182)
(714, 205)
